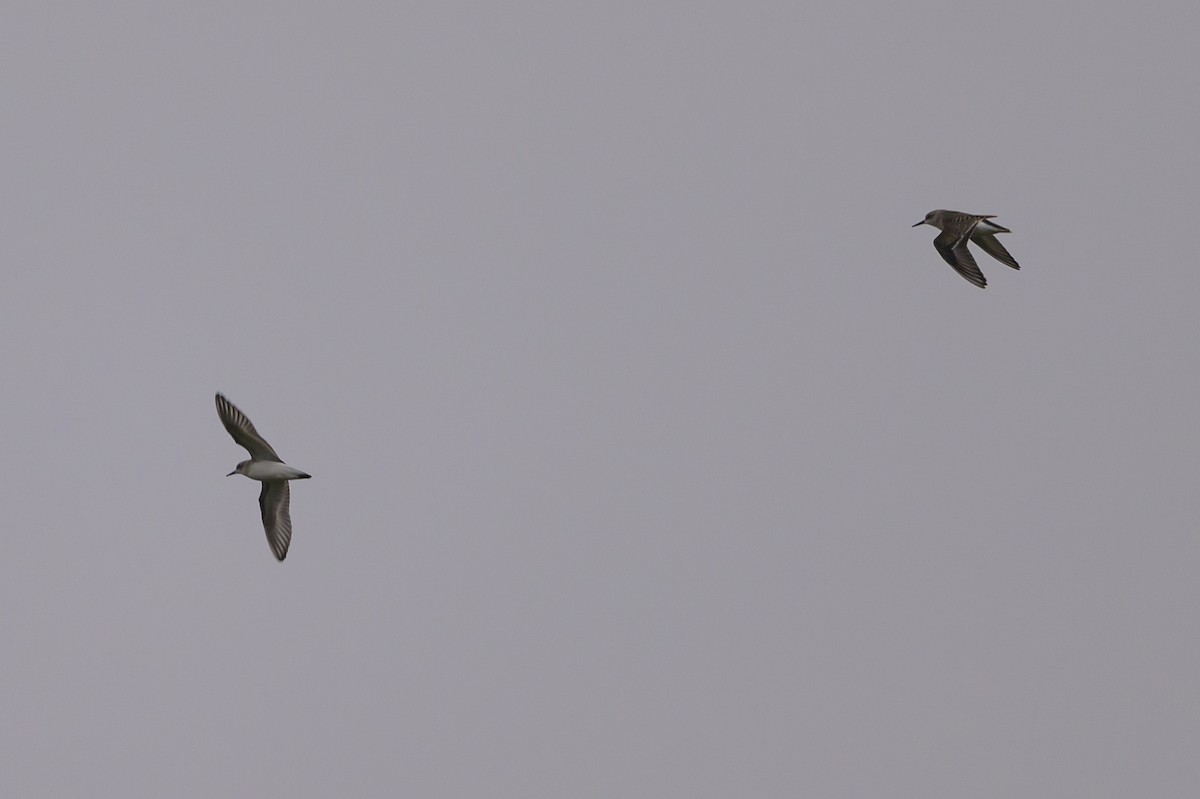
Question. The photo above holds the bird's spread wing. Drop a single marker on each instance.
(277, 518)
(243, 432)
(988, 243)
(953, 247)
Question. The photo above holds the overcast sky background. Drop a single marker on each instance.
(653, 453)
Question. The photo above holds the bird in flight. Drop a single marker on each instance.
(269, 469)
(959, 228)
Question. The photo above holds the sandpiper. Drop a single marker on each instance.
(957, 228)
(268, 468)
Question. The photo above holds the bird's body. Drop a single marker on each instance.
(268, 468)
(959, 228)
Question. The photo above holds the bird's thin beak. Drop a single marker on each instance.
(231, 474)
(919, 223)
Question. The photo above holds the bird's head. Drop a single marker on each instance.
(933, 218)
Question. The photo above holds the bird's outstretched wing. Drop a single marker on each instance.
(243, 431)
(277, 518)
(988, 243)
(953, 247)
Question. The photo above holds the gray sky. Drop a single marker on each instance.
(654, 454)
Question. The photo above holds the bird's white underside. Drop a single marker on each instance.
(272, 470)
